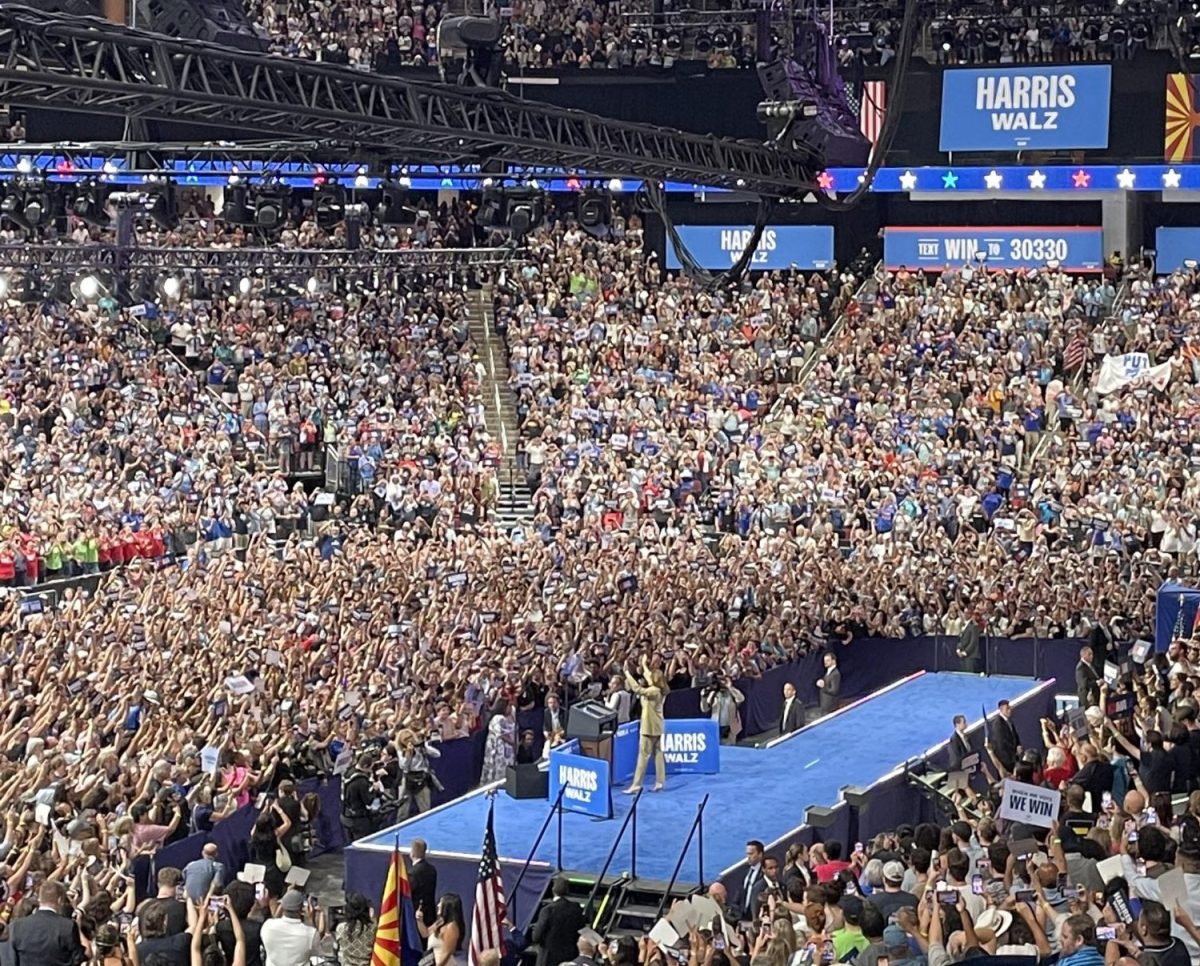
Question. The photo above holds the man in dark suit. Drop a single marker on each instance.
(792, 718)
(968, 651)
(1100, 640)
(554, 720)
(1087, 680)
(556, 930)
(422, 879)
(830, 686)
(960, 744)
(47, 938)
(1006, 743)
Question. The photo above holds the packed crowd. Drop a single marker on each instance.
(943, 459)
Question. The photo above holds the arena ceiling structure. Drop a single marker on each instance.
(90, 65)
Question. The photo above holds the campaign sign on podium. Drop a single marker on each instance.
(585, 782)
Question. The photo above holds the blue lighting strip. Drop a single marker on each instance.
(1011, 178)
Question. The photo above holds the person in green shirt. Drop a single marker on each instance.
(54, 559)
(850, 936)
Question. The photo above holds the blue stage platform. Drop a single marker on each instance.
(760, 793)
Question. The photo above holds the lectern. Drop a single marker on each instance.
(594, 725)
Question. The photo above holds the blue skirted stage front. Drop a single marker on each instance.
(1175, 608)
(758, 793)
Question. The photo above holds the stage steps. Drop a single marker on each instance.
(622, 906)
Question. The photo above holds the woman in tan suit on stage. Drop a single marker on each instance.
(653, 693)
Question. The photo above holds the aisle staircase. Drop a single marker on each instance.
(500, 411)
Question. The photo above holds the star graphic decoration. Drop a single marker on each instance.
(1037, 181)
(825, 181)
(1171, 178)
(1125, 179)
(949, 180)
(1081, 178)
(993, 179)
(908, 181)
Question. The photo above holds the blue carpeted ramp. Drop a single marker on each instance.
(759, 793)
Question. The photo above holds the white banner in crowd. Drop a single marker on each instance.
(1030, 804)
(1117, 372)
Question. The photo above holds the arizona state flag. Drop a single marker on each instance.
(397, 942)
(1183, 117)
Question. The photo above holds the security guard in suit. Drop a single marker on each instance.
(653, 693)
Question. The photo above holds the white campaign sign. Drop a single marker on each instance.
(1030, 804)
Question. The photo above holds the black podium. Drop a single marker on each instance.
(594, 725)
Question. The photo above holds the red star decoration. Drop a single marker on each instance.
(1081, 178)
(825, 181)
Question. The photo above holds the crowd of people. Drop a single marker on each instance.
(722, 477)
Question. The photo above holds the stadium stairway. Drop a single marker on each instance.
(500, 411)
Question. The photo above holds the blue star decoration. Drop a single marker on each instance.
(950, 180)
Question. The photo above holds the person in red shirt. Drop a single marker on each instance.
(1060, 768)
(827, 871)
(33, 561)
(8, 566)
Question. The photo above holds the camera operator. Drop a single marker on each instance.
(417, 778)
(357, 796)
(720, 700)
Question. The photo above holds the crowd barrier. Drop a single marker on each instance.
(866, 665)
(232, 837)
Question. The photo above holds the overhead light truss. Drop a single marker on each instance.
(271, 261)
(92, 66)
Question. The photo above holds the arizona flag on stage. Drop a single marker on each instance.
(1183, 117)
(397, 942)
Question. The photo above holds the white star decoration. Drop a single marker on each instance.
(993, 179)
(1171, 179)
(1125, 179)
(908, 181)
(1037, 180)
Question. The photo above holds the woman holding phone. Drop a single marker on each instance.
(445, 935)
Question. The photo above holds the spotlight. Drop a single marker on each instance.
(235, 207)
(25, 166)
(244, 285)
(615, 186)
(89, 288)
(172, 286)
(270, 207)
(526, 207)
(594, 211)
(329, 202)
(3, 286)
(313, 285)
(89, 206)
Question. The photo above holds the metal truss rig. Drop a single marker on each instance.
(244, 261)
(90, 65)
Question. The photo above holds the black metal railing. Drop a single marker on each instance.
(556, 808)
(630, 817)
(697, 825)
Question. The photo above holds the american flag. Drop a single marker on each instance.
(868, 100)
(487, 921)
(1075, 352)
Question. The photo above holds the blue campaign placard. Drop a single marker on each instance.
(691, 746)
(625, 750)
(1074, 249)
(805, 248)
(1175, 246)
(1022, 108)
(586, 780)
